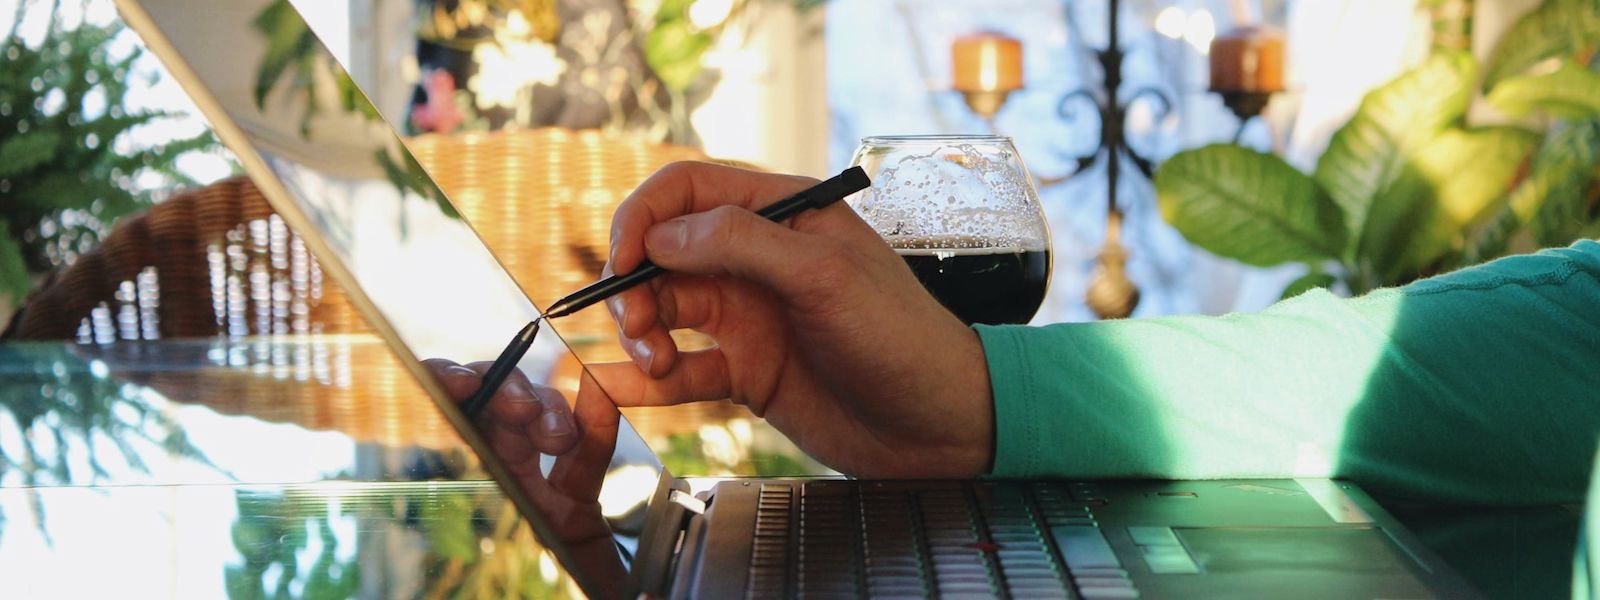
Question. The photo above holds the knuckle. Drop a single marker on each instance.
(679, 172)
(826, 265)
(724, 225)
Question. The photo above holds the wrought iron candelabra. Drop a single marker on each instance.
(1111, 295)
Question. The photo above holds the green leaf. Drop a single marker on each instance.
(1442, 190)
(1549, 204)
(1554, 201)
(21, 153)
(1309, 281)
(1368, 154)
(289, 42)
(14, 280)
(674, 50)
(1471, 169)
(450, 530)
(1248, 206)
(1570, 92)
(1557, 28)
(1407, 230)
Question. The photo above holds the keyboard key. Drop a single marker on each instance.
(1169, 560)
(1090, 593)
(1084, 547)
(1103, 582)
(1153, 536)
(1099, 572)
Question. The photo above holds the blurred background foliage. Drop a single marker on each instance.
(1409, 187)
(635, 65)
(67, 166)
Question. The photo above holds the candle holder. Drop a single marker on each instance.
(1246, 70)
(987, 67)
(986, 103)
(1244, 104)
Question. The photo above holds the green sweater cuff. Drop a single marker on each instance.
(1018, 434)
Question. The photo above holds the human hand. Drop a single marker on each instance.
(523, 421)
(820, 327)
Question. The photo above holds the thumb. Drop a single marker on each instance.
(729, 240)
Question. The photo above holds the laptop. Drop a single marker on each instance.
(341, 178)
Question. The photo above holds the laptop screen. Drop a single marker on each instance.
(340, 176)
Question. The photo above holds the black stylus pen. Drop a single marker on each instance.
(852, 180)
(500, 370)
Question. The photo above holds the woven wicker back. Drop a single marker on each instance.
(217, 261)
(543, 199)
(206, 262)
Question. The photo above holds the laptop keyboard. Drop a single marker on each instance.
(848, 539)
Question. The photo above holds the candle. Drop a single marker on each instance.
(1249, 59)
(987, 62)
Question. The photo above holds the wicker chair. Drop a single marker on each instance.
(206, 262)
(217, 261)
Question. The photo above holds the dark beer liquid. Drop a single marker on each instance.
(983, 285)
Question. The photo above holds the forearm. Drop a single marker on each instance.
(1481, 386)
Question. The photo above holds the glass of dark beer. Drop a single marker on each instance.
(963, 212)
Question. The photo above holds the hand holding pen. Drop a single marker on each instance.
(819, 327)
(852, 180)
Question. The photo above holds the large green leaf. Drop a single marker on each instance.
(1443, 189)
(1407, 230)
(1248, 206)
(1549, 205)
(1571, 92)
(1366, 156)
(1557, 28)
(1471, 169)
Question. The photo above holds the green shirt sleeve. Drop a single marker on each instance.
(1481, 386)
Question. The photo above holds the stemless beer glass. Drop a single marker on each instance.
(963, 213)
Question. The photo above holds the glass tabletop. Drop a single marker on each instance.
(302, 467)
(313, 467)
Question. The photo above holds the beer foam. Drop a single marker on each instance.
(949, 246)
(978, 194)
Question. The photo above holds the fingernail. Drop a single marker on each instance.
(517, 392)
(459, 371)
(667, 237)
(611, 257)
(616, 235)
(619, 309)
(554, 424)
(643, 354)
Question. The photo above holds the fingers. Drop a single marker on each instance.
(697, 377)
(583, 471)
(682, 302)
(655, 352)
(537, 416)
(733, 241)
(688, 187)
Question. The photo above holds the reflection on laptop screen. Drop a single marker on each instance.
(338, 173)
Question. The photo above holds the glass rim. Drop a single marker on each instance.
(937, 138)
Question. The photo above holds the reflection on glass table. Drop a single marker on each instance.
(305, 467)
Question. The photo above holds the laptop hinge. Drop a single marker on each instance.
(665, 522)
(686, 569)
(687, 502)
